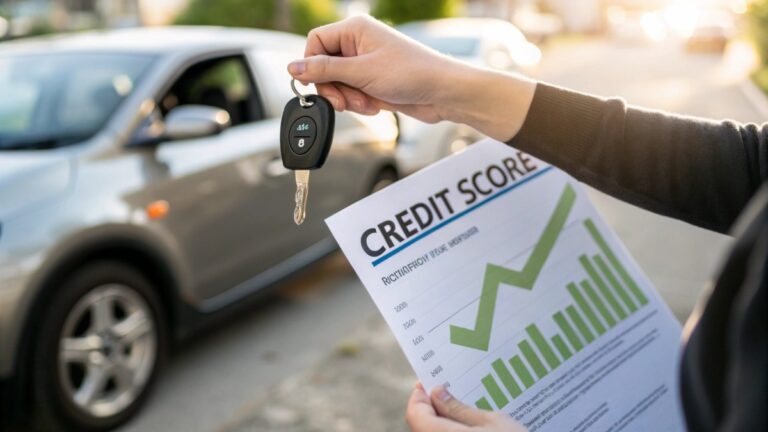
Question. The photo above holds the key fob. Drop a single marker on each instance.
(306, 133)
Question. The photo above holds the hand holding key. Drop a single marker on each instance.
(306, 134)
(363, 65)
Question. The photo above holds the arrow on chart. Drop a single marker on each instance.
(479, 337)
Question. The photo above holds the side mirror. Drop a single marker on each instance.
(195, 121)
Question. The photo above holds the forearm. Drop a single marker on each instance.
(494, 103)
(696, 170)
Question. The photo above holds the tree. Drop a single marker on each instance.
(401, 11)
(303, 14)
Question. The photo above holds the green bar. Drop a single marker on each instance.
(566, 328)
(586, 308)
(506, 378)
(543, 346)
(521, 371)
(623, 294)
(580, 324)
(533, 359)
(483, 404)
(615, 306)
(615, 262)
(493, 389)
(592, 294)
(561, 347)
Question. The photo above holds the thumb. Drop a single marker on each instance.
(324, 68)
(448, 406)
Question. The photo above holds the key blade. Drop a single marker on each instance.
(302, 191)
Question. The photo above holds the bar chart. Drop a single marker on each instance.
(605, 297)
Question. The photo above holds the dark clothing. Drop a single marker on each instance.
(703, 172)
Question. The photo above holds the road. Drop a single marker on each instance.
(228, 378)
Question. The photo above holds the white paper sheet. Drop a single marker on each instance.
(500, 280)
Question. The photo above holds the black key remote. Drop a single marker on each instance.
(306, 134)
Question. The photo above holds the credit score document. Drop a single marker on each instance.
(501, 281)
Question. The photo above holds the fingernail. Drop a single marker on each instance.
(334, 101)
(297, 67)
(443, 394)
(357, 104)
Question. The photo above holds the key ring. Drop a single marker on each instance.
(302, 100)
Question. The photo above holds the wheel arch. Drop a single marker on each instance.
(386, 165)
(144, 256)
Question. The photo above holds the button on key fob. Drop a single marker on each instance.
(306, 134)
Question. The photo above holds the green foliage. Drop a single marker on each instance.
(402, 11)
(304, 14)
(758, 14)
(231, 13)
(760, 77)
(758, 29)
(308, 14)
(41, 28)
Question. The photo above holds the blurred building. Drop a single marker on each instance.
(545, 15)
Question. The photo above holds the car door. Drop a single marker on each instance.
(224, 190)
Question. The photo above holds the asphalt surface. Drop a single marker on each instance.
(317, 357)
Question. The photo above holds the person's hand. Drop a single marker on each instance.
(362, 65)
(444, 413)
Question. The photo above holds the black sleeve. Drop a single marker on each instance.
(696, 170)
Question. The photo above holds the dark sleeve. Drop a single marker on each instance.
(700, 171)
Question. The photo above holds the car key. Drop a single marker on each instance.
(306, 134)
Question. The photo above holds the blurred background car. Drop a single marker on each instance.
(142, 194)
(487, 42)
(710, 33)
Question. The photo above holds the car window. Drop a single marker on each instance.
(17, 107)
(54, 100)
(90, 91)
(223, 83)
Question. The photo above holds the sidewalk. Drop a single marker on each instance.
(363, 385)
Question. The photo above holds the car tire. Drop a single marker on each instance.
(383, 179)
(99, 345)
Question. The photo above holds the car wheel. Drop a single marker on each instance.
(98, 348)
(385, 178)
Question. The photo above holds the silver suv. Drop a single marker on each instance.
(142, 194)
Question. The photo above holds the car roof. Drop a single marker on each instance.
(157, 40)
(490, 28)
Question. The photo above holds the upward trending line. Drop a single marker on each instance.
(479, 337)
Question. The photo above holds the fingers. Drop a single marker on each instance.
(449, 407)
(358, 101)
(333, 94)
(421, 416)
(324, 68)
(343, 98)
(336, 38)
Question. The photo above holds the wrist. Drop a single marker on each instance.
(495, 103)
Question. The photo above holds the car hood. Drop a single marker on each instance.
(28, 179)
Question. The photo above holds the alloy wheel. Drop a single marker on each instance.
(107, 350)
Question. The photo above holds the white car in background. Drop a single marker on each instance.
(487, 42)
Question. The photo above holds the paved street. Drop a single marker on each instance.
(317, 357)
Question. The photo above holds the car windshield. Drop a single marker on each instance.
(55, 100)
(452, 46)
